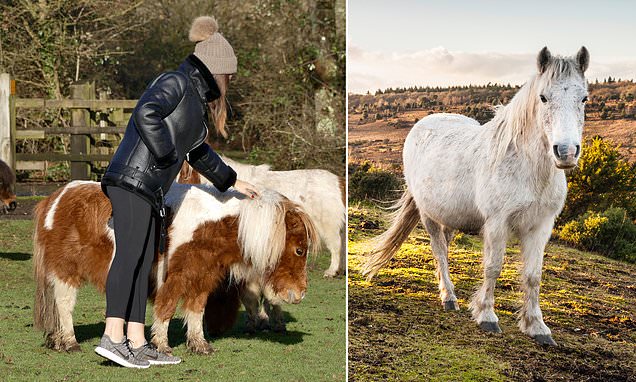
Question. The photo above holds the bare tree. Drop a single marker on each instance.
(46, 45)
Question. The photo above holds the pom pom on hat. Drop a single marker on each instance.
(202, 28)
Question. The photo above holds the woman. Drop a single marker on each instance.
(168, 126)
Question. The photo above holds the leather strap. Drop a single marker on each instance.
(130, 172)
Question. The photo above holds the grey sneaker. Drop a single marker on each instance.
(150, 353)
(120, 353)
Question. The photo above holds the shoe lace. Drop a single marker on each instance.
(128, 346)
(151, 346)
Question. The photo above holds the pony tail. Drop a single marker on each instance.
(218, 107)
(45, 314)
(403, 221)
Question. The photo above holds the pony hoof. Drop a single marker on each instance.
(450, 306)
(544, 340)
(279, 328)
(162, 347)
(75, 347)
(200, 347)
(50, 341)
(330, 274)
(262, 325)
(489, 326)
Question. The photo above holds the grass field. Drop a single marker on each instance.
(313, 349)
(399, 331)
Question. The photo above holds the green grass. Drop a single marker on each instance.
(313, 349)
(399, 331)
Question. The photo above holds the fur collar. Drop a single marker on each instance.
(203, 79)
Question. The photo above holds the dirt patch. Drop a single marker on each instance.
(621, 132)
(24, 210)
(382, 332)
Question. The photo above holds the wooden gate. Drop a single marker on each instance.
(90, 118)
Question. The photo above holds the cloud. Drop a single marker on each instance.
(440, 67)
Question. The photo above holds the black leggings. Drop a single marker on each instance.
(127, 282)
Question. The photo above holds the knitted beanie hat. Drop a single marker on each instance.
(212, 48)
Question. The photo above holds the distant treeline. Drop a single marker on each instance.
(609, 99)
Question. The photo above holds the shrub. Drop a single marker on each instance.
(368, 182)
(602, 179)
(611, 233)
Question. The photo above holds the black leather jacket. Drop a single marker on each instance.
(168, 126)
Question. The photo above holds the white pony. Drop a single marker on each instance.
(505, 176)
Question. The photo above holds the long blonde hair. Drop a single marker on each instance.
(218, 107)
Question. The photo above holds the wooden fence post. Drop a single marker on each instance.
(7, 120)
(80, 143)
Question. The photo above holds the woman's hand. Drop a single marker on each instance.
(246, 189)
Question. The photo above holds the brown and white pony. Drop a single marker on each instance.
(211, 234)
(7, 185)
(323, 195)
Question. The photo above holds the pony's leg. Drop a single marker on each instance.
(165, 305)
(439, 244)
(193, 314)
(336, 246)
(257, 318)
(161, 272)
(449, 234)
(276, 316)
(533, 242)
(65, 297)
(483, 302)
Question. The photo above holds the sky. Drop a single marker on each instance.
(460, 42)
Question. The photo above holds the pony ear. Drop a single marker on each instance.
(583, 59)
(543, 59)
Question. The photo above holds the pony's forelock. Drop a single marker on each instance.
(313, 239)
(262, 231)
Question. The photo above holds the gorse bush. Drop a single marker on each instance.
(611, 233)
(368, 182)
(601, 204)
(602, 179)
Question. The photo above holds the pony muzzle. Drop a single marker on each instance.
(7, 205)
(566, 156)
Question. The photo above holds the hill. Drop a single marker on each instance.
(379, 123)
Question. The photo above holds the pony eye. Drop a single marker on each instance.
(584, 99)
(299, 252)
(543, 99)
